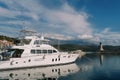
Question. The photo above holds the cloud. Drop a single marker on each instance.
(71, 22)
(60, 21)
(59, 36)
(108, 37)
(106, 30)
(85, 36)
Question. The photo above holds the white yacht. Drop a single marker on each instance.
(32, 52)
(40, 73)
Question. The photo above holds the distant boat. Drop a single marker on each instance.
(34, 51)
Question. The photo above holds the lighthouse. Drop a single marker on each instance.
(101, 47)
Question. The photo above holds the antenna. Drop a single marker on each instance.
(58, 44)
(23, 22)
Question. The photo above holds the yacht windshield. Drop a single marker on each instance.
(17, 53)
(40, 42)
(14, 53)
(24, 42)
(8, 53)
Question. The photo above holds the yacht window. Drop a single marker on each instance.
(59, 59)
(29, 60)
(54, 79)
(54, 51)
(33, 51)
(17, 53)
(56, 59)
(44, 42)
(44, 51)
(37, 42)
(26, 41)
(8, 53)
(49, 51)
(38, 51)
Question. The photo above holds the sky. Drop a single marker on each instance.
(91, 20)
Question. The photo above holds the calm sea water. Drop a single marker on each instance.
(89, 67)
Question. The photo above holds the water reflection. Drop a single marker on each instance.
(41, 73)
(101, 58)
(99, 67)
(89, 67)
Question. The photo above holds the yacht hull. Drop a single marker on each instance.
(38, 60)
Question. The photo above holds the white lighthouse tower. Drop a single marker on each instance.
(101, 47)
